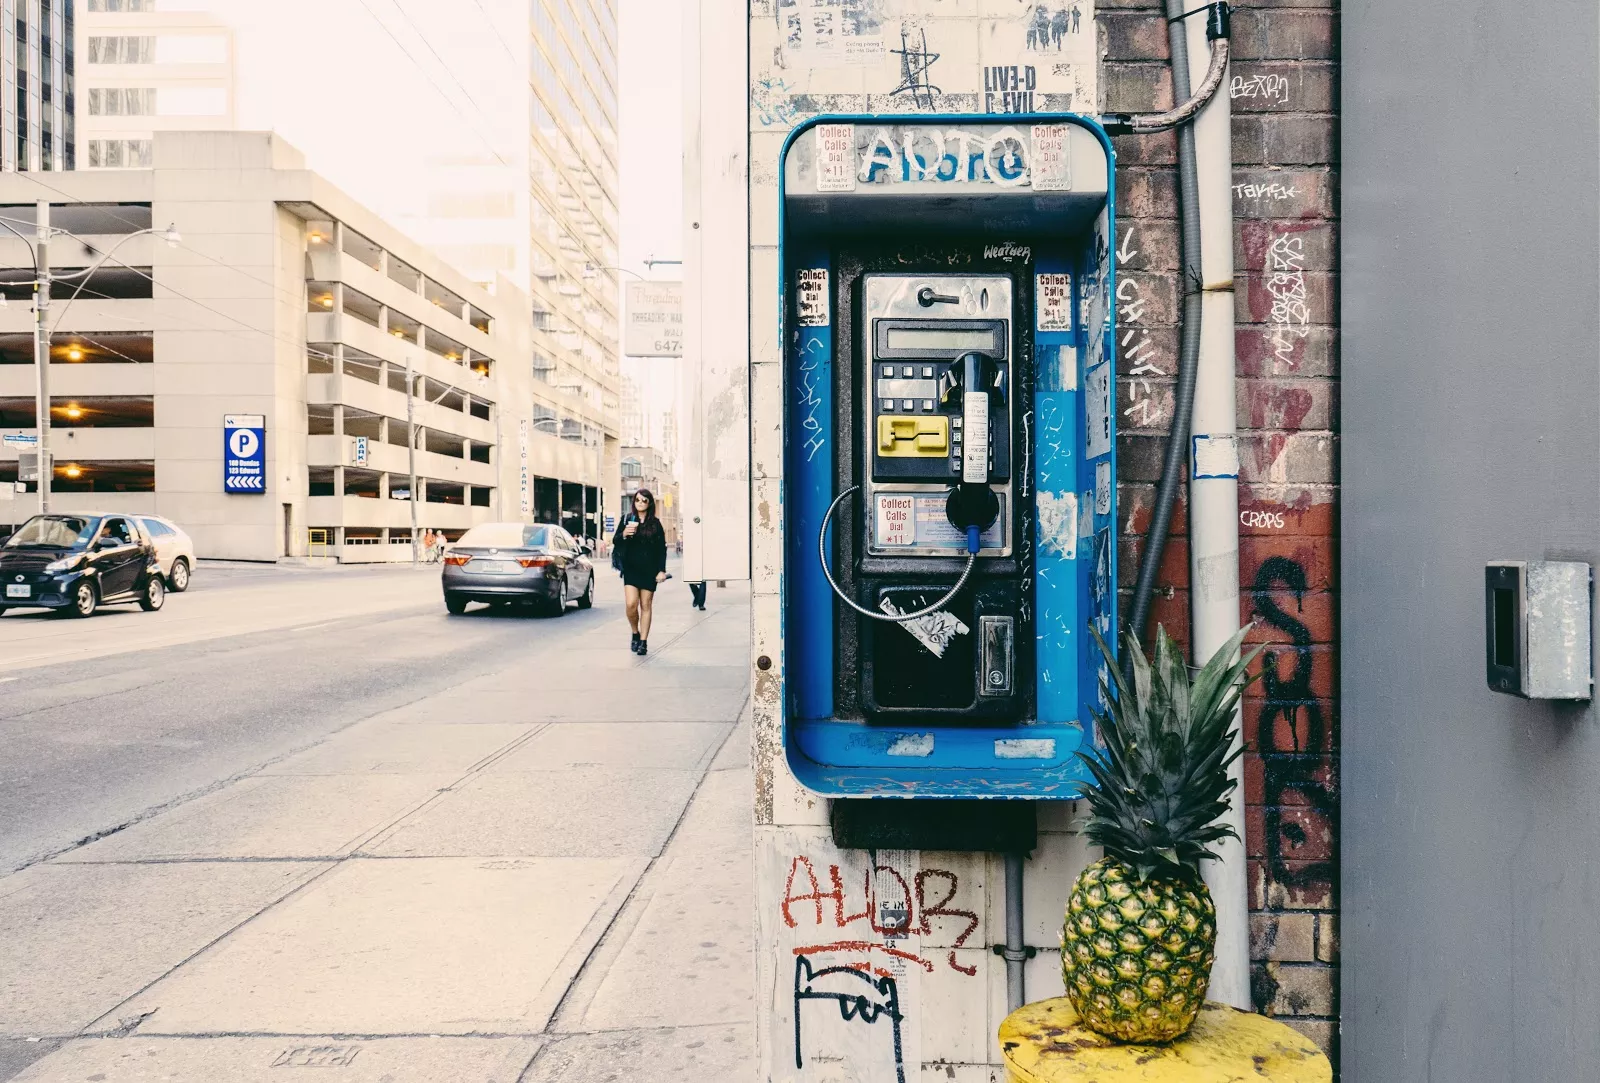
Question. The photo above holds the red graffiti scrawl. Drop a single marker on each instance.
(804, 895)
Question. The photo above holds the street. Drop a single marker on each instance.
(302, 817)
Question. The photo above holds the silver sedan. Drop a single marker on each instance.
(505, 563)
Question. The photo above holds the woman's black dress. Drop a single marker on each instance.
(644, 554)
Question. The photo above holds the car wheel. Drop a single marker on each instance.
(83, 600)
(559, 602)
(586, 599)
(456, 604)
(178, 578)
(154, 596)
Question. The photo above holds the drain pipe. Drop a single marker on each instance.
(1214, 508)
(1015, 951)
(1204, 405)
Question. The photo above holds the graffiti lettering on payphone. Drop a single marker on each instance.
(850, 920)
(951, 154)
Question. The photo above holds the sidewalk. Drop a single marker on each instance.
(540, 875)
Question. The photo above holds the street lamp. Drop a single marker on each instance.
(42, 281)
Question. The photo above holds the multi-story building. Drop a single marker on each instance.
(39, 57)
(647, 468)
(573, 163)
(287, 300)
(145, 68)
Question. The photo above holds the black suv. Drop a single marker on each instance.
(76, 563)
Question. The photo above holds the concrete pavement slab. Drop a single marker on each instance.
(677, 746)
(718, 1054)
(304, 816)
(81, 938)
(374, 747)
(285, 1060)
(443, 946)
(577, 672)
(614, 697)
(572, 812)
(17, 1053)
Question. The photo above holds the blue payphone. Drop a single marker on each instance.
(949, 475)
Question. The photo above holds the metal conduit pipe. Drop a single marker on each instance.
(1016, 953)
(1217, 30)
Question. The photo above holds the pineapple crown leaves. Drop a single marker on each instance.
(1162, 782)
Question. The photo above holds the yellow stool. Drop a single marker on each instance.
(1043, 1042)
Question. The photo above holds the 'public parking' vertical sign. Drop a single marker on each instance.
(244, 453)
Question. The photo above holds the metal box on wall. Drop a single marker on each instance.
(1537, 628)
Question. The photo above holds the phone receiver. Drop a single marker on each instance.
(973, 506)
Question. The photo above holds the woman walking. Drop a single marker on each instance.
(641, 546)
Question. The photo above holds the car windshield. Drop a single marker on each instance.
(506, 536)
(54, 532)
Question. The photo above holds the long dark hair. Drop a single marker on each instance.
(650, 512)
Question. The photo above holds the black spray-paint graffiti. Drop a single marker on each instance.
(915, 61)
(842, 985)
(1291, 771)
(1048, 25)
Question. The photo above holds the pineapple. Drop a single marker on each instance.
(1140, 932)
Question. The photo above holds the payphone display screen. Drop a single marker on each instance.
(934, 341)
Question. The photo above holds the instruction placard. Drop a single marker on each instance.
(811, 296)
(1052, 162)
(836, 157)
(1053, 300)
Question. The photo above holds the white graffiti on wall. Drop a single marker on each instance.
(1285, 279)
(814, 355)
(952, 154)
(1135, 344)
(1269, 88)
(1273, 191)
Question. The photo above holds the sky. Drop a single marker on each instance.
(651, 105)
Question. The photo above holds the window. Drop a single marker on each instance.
(191, 49)
(192, 101)
(122, 5)
(156, 527)
(121, 154)
(115, 101)
(120, 530)
(126, 49)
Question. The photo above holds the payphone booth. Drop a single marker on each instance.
(949, 474)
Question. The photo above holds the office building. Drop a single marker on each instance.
(37, 96)
(288, 301)
(144, 68)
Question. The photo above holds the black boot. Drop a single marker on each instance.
(636, 641)
(644, 648)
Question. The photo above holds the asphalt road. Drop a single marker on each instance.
(107, 721)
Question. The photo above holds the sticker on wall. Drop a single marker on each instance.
(934, 631)
(1102, 488)
(811, 296)
(1097, 411)
(836, 157)
(1052, 158)
(1053, 301)
(1058, 524)
(1215, 456)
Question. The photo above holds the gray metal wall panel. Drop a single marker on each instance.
(1471, 394)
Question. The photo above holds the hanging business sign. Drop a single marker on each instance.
(244, 453)
(653, 323)
(524, 478)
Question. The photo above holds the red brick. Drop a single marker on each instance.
(1267, 893)
(1283, 86)
(1255, 779)
(1147, 193)
(1291, 725)
(1137, 506)
(1281, 778)
(1294, 300)
(1145, 300)
(1261, 351)
(1303, 835)
(1317, 612)
(1283, 193)
(1304, 458)
(1279, 140)
(1140, 456)
(1283, 35)
(1323, 677)
(1158, 149)
(1255, 831)
(1314, 245)
(1136, 87)
(1147, 348)
(1149, 244)
(1173, 570)
(1314, 556)
(1145, 403)
(1134, 36)
(1275, 510)
(1287, 404)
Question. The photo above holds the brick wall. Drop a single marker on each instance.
(1284, 95)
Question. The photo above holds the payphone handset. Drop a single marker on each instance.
(936, 423)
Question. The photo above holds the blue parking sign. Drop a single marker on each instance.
(244, 453)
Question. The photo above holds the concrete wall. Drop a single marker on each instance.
(1471, 824)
